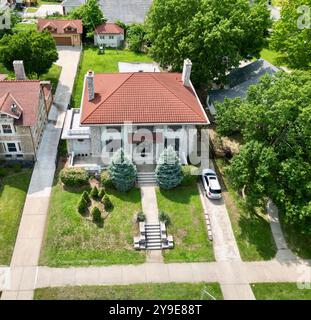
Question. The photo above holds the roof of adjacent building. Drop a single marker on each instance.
(25, 95)
(241, 78)
(73, 3)
(109, 28)
(60, 25)
(141, 97)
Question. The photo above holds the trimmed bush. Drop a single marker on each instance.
(86, 197)
(141, 217)
(107, 202)
(168, 171)
(189, 177)
(94, 192)
(96, 214)
(3, 172)
(82, 206)
(122, 171)
(17, 167)
(73, 177)
(164, 217)
(105, 179)
(101, 193)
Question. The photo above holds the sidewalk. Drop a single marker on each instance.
(31, 230)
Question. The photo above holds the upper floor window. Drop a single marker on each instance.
(7, 129)
(11, 146)
(111, 37)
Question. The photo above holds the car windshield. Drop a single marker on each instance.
(217, 191)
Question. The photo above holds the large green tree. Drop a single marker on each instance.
(37, 50)
(214, 36)
(168, 171)
(136, 37)
(275, 160)
(91, 15)
(122, 171)
(292, 33)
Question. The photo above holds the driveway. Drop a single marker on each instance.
(44, 10)
(31, 230)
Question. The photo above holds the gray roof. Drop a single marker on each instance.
(241, 78)
(73, 3)
(128, 11)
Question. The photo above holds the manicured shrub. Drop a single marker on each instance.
(86, 197)
(3, 172)
(141, 217)
(164, 217)
(122, 171)
(82, 206)
(17, 167)
(107, 202)
(94, 192)
(105, 179)
(74, 177)
(96, 214)
(101, 193)
(168, 171)
(189, 175)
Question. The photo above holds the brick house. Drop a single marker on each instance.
(23, 114)
(64, 32)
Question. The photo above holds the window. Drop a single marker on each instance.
(7, 129)
(11, 147)
(102, 37)
(111, 37)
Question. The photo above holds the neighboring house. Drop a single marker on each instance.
(239, 81)
(5, 16)
(109, 34)
(128, 11)
(64, 32)
(117, 109)
(69, 5)
(23, 115)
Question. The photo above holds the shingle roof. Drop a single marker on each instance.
(110, 28)
(141, 97)
(24, 93)
(60, 25)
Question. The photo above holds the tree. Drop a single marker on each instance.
(91, 15)
(291, 37)
(94, 192)
(37, 50)
(168, 172)
(122, 171)
(275, 160)
(136, 37)
(214, 37)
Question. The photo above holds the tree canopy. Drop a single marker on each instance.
(136, 37)
(91, 15)
(275, 160)
(292, 34)
(37, 50)
(215, 37)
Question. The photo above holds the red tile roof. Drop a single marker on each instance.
(141, 97)
(60, 25)
(110, 28)
(24, 93)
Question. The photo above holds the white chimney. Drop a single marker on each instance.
(186, 72)
(19, 70)
(90, 84)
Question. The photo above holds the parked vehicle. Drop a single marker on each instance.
(211, 184)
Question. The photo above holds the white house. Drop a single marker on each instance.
(5, 16)
(69, 5)
(109, 34)
(143, 112)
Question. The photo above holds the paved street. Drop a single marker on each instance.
(31, 230)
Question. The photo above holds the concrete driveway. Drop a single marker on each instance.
(44, 10)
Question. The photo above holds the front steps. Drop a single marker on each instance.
(153, 237)
(146, 179)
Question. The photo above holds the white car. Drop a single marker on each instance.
(211, 184)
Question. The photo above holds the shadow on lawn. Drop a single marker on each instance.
(181, 194)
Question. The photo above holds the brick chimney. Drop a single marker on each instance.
(186, 72)
(90, 84)
(19, 70)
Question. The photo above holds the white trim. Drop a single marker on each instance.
(12, 129)
(17, 144)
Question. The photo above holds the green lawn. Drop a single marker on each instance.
(280, 291)
(32, 10)
(146, 291)
(250, 226)
(72, 240)
(183, 204)
(107, 62)
(13, 190)
(25, 27)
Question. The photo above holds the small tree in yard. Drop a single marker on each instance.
(136, 37)
(101, 193)
(122, 171)
(82, 206)
(94, 192)
(96, 214)
(86, 197)
(107, 202)
(168, 171)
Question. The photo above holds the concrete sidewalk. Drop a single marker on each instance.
(31, 230)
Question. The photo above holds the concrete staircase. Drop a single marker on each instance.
(146, 179)
(153, 237)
